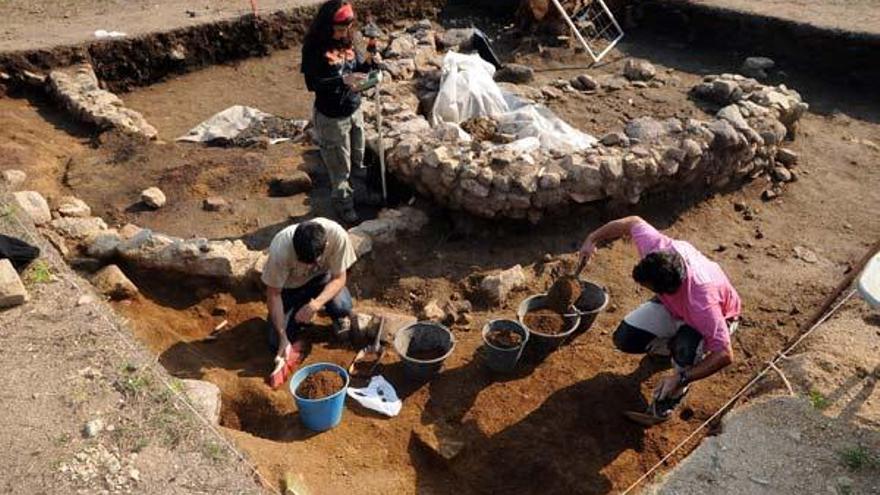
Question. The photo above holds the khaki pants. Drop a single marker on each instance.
(342, 149)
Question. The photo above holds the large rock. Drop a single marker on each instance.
(497, 287)
(432, 311)
(11, 180)
(459, 38)
(70, 206)
(757, 67)
(111, 282)
(639, 70)
(205, 398)
(78, 90)
(440, 439)
(645, 129)
(12, 291)
(291, 184)
(78, 228)
(391, 222)
(35, 205)
(515, 73)
(153, 197)
(103, 245)
(787, 157)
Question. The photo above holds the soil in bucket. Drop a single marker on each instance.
(504, 338)
(319, 385)
(564, 292)
(545, 321)
(428, 354)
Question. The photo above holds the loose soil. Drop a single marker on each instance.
(505, 339)
(569, 403)
(480, 128)
(563, 293)
(319, 385)
(545, 321)
(428, 354)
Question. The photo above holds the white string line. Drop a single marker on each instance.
(152, 365)
(739, 394)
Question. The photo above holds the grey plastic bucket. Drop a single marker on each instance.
(541, 344)
(594, 299)
(418, 336)
(503, 359)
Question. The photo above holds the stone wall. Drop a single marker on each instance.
(503, 181)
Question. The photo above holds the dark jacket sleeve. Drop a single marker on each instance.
(362, 65)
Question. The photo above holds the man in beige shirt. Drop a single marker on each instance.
(306, 271)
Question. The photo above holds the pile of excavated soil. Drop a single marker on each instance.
(480, 128)
(319, 385)
(564, 292)
(504, 339)
(545, 321)
(270, 128)
(428, 354)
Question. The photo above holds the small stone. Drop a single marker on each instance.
(103, 245)
(781, 174)
(639, 70)
(456, 38)
(153, 197)
(805, 255)
(515, 73)
(85, 299)
(12, 291)
(614, 139)
(79, 228)
(639, 85)
(440, 440)
(645, 129)
(786, 157)
(432, 311)
(205, 398)
(34, 204)
(739, 206)
(134, 474)
(11, 180)
(548, 257)
(70, 206)
(584, 82)
(721, 248)
(129, 230)
(112, 282)
(215, 203)
(768, 195)
(93, 427)
(289, 185)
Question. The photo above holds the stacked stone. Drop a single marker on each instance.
(78, 91)
(494, 181)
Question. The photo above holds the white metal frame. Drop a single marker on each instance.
(580, 36)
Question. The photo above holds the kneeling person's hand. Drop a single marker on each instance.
(307, 312)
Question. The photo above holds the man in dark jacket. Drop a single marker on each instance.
(333, 70)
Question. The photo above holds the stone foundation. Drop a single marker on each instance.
(493, 180)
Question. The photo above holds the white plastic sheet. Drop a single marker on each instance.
(378, 396)
(224, 125)
(468, 90)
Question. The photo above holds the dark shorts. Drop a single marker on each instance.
(294, 299)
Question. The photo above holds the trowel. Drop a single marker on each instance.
(371, 353)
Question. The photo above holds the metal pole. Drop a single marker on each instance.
(381, 141)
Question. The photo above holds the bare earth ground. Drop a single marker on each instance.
(848, 15)
(29, 24)
(834, 423)
(67, 361)
(554, 429)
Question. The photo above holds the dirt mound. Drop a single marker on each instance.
(564, 292)
(545, 321)
(505, 339)
(319, 385)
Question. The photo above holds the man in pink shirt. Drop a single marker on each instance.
(691, 318)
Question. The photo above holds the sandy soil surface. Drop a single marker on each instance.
(66, 361)
(554, 428)
(847, 15)
(45, 23)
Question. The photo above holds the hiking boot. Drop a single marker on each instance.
(342, 329)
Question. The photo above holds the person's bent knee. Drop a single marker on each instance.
(630, 339)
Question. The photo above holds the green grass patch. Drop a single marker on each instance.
(818, 400)
(858, 458)
(40, 273)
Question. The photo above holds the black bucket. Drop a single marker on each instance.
(594, 299)
(422, 336)
(540, 345)
(500, 359)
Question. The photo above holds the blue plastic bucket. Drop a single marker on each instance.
(319, 414)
